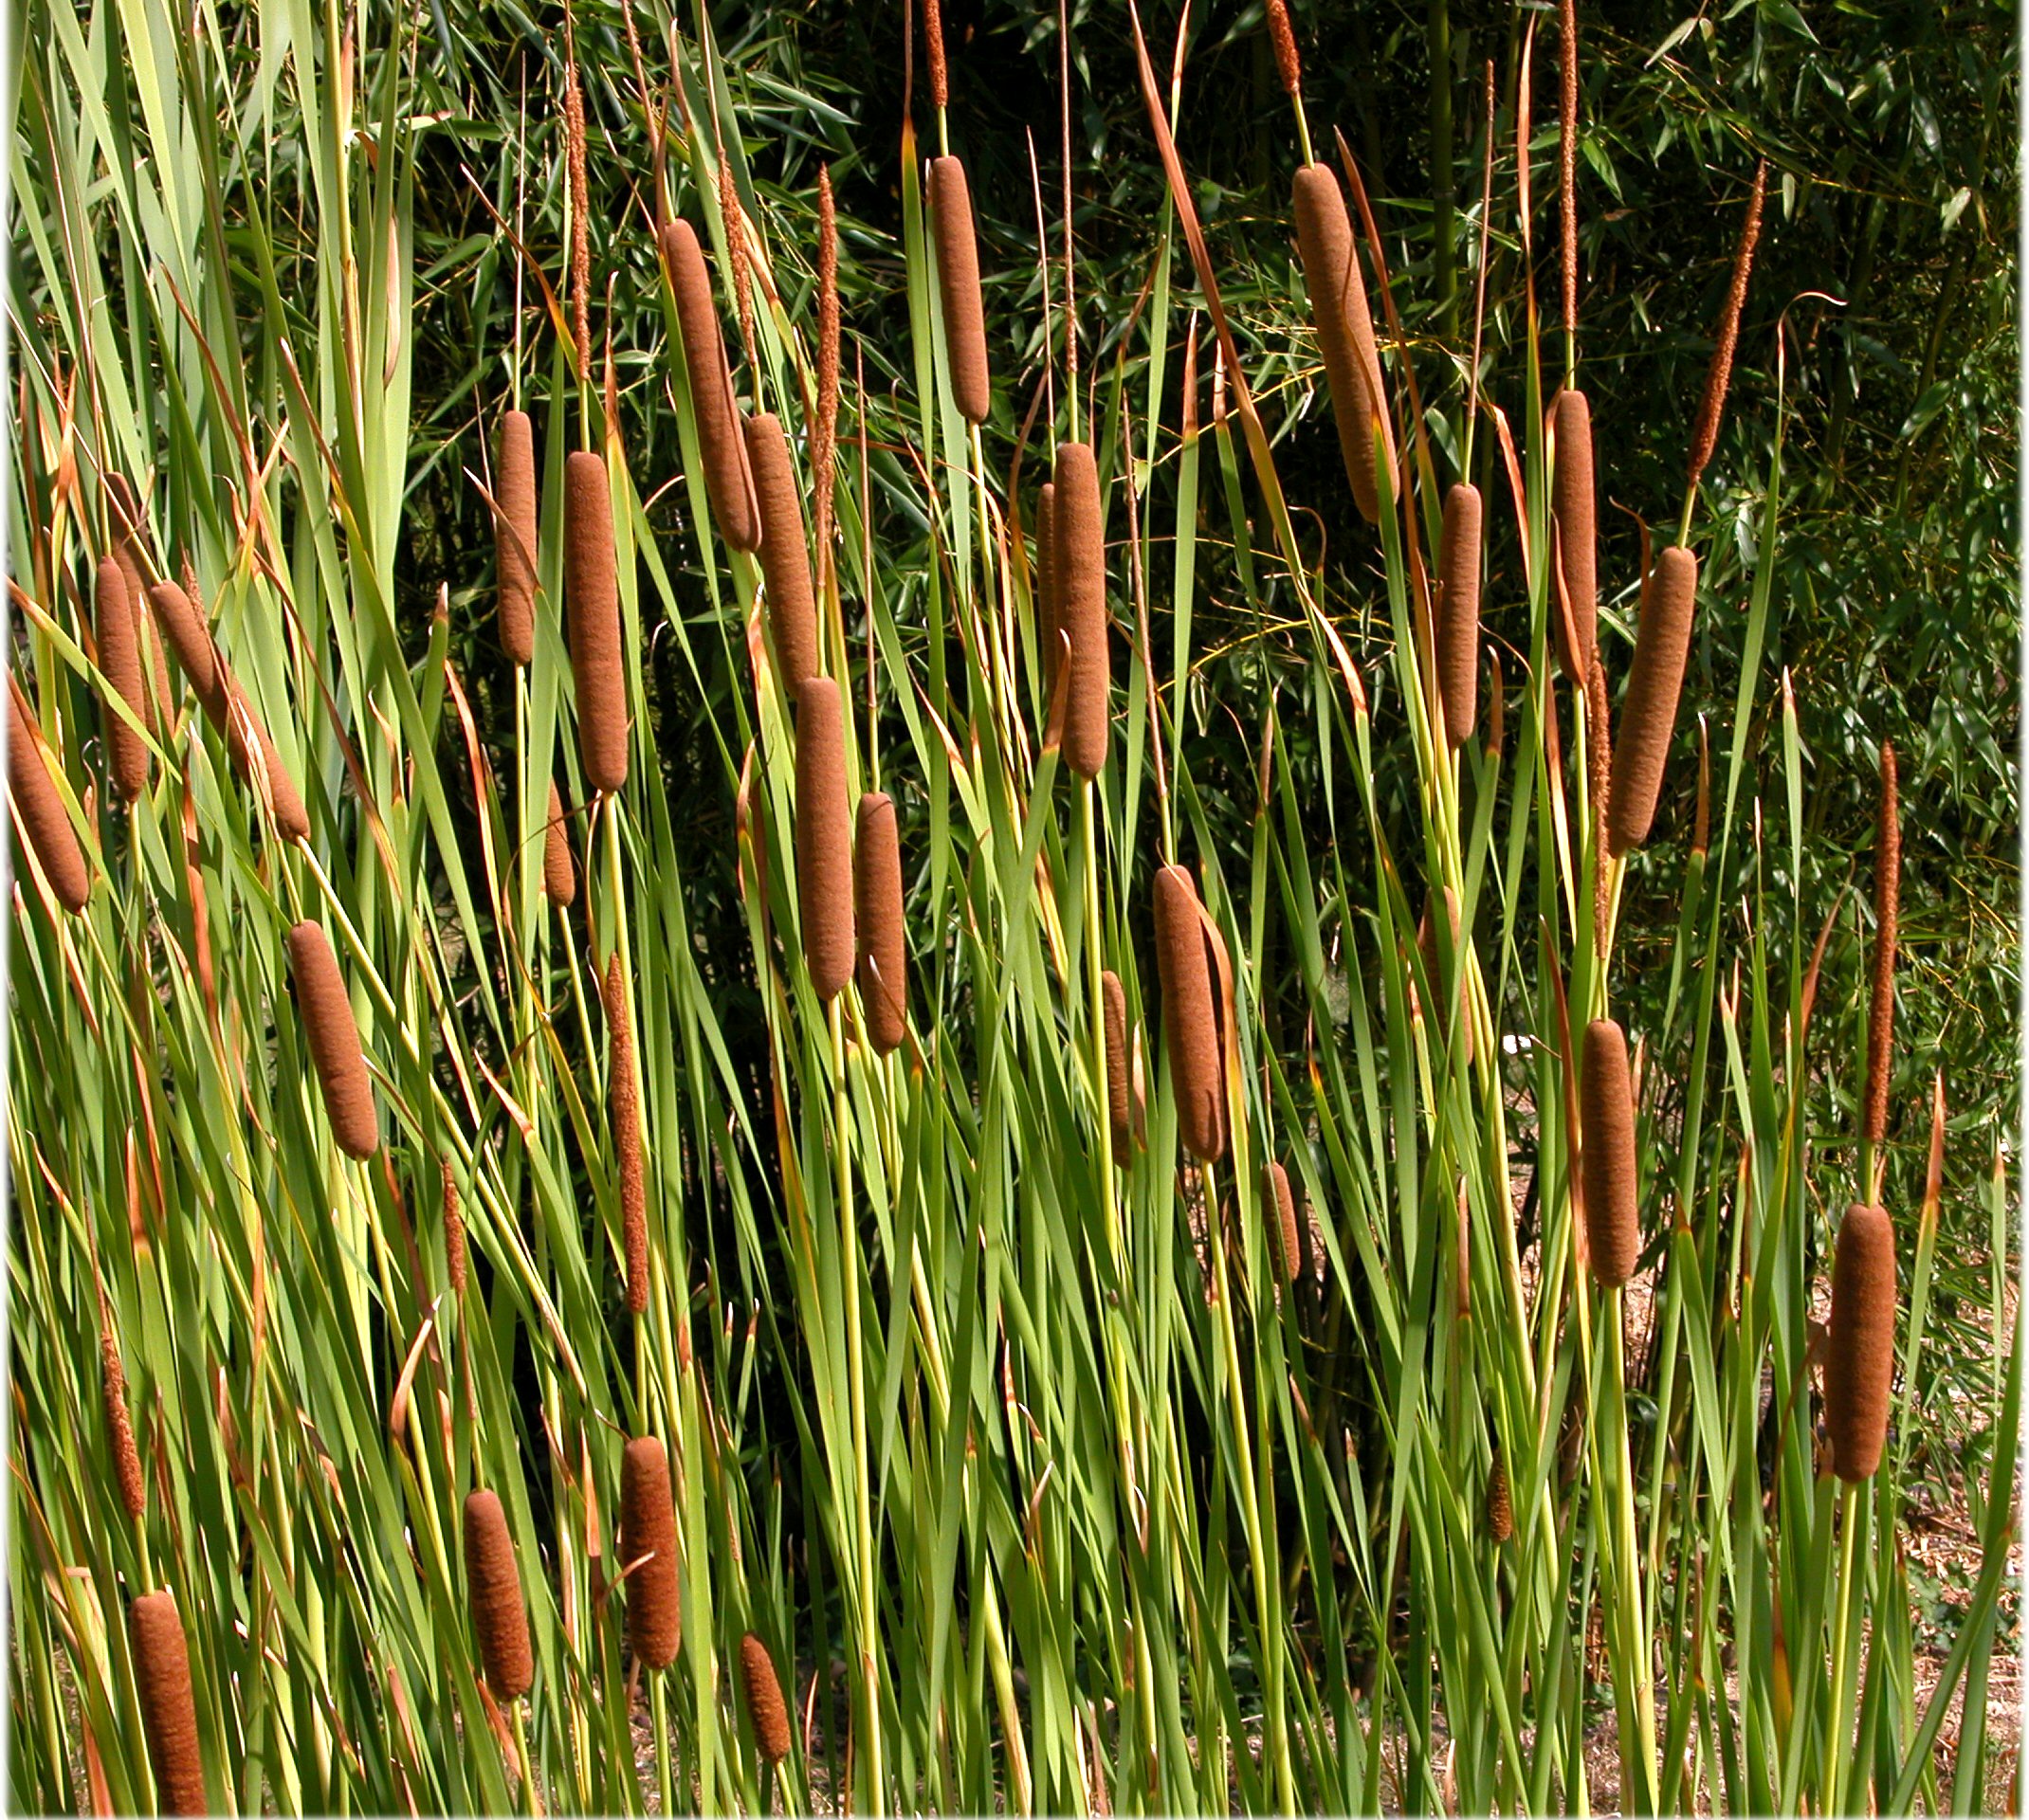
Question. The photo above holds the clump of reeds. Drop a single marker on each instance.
(1458, 613)
(514, 531)
(1881, 1000)
(120, 661)
(1345, 331)
(1861, 1351)
(1190, 1016)
(784, 555)
(1120, 1082)
(958, 288)
(493, 1585)
(559, 876)
(1648, 712)
(721, 447)
(1046, 580)
(1606, 1100)
(334, 1038)
(591, 608)
(183, 627)
(765, 1706)
(168, 1710)
(1286, 1222)
(456, 1266)
(1574, 500)
(877, 917)
(1080, 580)
(50, 835)
(1500, 1502)
(647, 1554)
(119, 1428)
(824, 838)
(623, 1099)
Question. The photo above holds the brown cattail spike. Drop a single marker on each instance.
(933, 40)
(559, 876)
(44, 821)
(958, 286)
(785, 557)
(1719, 375)
(591, 605)
(456, 1266)
(493, 1585)
(1648, 715)
(112, 623)
(334, 1037)
(514, 533)
(1500, 1502)
(1046, 582)
(120, 1429)
(647, 1554)
(720, 446)
(1190, 1016)
(1081, 589)
(130, 540)
(1577, 534)
(623, 1093)
(1860, 1352)
(1287, 1226)
(1458, 623)
(1344, 330)
(1606, 1103)
(168, 1710)
(877, 908)
(1887, 910)
(183, 625)
(765, 1709)
(824, 838)
(1120, 1063)
(1567, 156)
(824, 430)
(255, 757)
(1288, 65)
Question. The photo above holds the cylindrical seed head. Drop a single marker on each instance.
(1286, 1224)
(1606, 1100)
(877, 914)
(824, 838)
(514, 533)
(1648, 715)
(770, 1716)
(169, 1711)
(1190, 1016)
(1888, 909)
(120, 1429)
(493, 1586)
(559, 876)
(591, 608)
(1344, 330)
(1046, 582)
(1500, 1502)
(112, 623)
(1458, 624)
(1860, 1352)
(957, 287)
(326, 1011)
(1574, 500)
(784, 555)
(1119, 1086)
(623, 1095)
(456, 1264)
(186, 633)
(130, 532)
(260, 765)
(1284, 38)
(720, 446)
(1081, 602)
(648, 1548)
(43, 820)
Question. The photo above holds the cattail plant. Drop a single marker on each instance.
(334, 1038)
(824, 427)
(647, 1554)
(721, 447)
(1648, 712)
(1500, 1511)
(784, 555)
(623, 1099)
(184, 629)
(43, 822)
(1345, 331)
(958, 288)
(766, 1708)
(1120, 1081)
(1432, 964)
(129, 544)
(824, 838)
(1575, 503)
(120, 662)
(1045, 581)
(1080, 578)
(169, 1710)
(1861, 1351)
(1280, 1206)
(559, 875)
(456, 1264)
(1719, 375)
(493, 1585)
(591, 611)
(1881, 1000)
(119, 1428)
(877, 917)
(1606, 1099)
(1190, 1016)
(1458, 613)
(260, 765)
(514, 531)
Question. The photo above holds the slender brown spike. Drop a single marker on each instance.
(513, 535)
(1599, 784)
(824, 838)
(592, 614)
(1344, 330)
(1288, 1226)
(1046, 583)
(1860, 1352)
(326, 1011)
(770, 1716)
(877, 908)
(1287, 64)
(574, 114)
(623, 1096)
(113, 623)
(559, 875)
(184, 629)
(647, 1554)
(1190, 1019)
(43, 818)
(784, 555)
(130, 531)
(1719, 375)
(493, 1586)
(1500, 1502)
(958, 286)
(1887, 910)
(719, 444)
(456, 1264)
(1574, 500)
(1606, 1101)
(168, 1710)
(933, 39)
(736, 242)
(119, 1428)
(260, 764)
(1120, 1083)
(1080, 578)
(1647, 714)
(1567, 52)
(824, 430)
(1458, 624)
